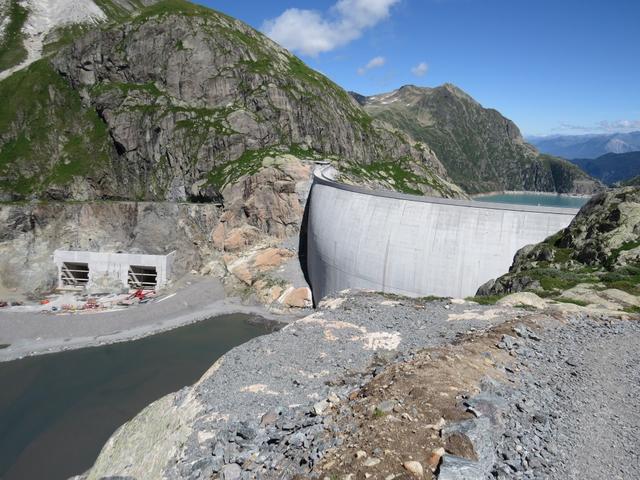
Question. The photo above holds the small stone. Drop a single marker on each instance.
(371, 462)
(434, 458)
(320, 407)
(333, 398)
(231, 472)
(361, 454)
(414, 468)
(269, 418)
(439, 425)
(386, 406)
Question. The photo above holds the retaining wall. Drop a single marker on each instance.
(415, 246)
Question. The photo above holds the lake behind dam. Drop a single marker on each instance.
(58, 410)
(536, 199)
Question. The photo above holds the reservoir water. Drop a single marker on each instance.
(543, 200)
(58, 410)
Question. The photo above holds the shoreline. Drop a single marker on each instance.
(46, 334)
(525, 192)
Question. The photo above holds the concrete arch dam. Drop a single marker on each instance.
(411, 245)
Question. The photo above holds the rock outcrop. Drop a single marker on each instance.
(595, 260)
(30, 233)
(468, 138)
(155, 106)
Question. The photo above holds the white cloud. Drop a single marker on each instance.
(604, 126)
(310, 32)
(420, 70)
(375, 62)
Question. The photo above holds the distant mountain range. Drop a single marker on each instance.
(587, 146)
(612, 167)
(481, 149)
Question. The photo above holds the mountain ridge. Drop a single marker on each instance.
(611, 168)
(587, 146)
(467, 137)
(168, 115)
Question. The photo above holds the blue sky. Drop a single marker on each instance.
(552, 66)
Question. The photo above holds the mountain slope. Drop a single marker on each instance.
(481, 149)
(31, 29)
(635, 181)
(611, 167)
(181, 100)
(587, 146)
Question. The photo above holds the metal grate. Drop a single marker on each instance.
(75, 274)
(143, 277)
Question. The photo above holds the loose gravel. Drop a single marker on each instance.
(574, 410)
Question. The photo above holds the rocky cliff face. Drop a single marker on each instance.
(596, 259)
(154, 108)
(30, 233)
(481, 150)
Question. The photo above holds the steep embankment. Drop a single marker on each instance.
(595, 260)
(30, 233)
(481, 150)
(161, 103)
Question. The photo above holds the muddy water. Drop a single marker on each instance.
(57, 410)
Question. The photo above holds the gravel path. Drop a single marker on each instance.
(577, 413)
(194, 299)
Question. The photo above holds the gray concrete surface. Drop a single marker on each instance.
(415, 246)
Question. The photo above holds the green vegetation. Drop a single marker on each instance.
(12, 50)
(377, 413)
(54, 138)
(623, 248)
(485, 300)
(397, 175)
(63, 36)
(625, 278)
(249, 163)
(168, 7)
(574, 301)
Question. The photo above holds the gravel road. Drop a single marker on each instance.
(193, 299)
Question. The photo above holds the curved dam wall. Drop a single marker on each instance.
(415, 246)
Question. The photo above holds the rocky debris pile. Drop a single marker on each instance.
(384, 386)
(332, 352)
(571, 411)
(599, 252)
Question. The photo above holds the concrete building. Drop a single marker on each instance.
(80, 269)
(415, 246)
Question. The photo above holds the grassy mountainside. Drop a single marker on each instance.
(12, 50)
(612, 167)
(162, 101)
(481, 149)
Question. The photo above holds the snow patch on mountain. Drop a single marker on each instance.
(47, 15)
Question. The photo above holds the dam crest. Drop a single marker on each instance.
(415, 246)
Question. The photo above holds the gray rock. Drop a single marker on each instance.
(231, 472)
(456, 468)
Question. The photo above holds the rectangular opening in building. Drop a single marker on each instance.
(143, 277)
(75, 274)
